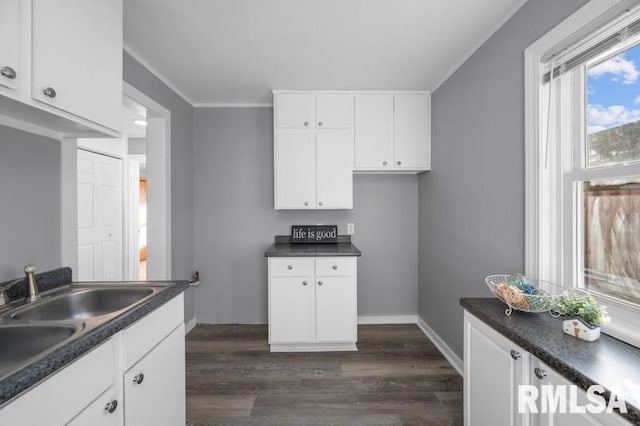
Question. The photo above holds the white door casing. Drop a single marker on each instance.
(99, 217)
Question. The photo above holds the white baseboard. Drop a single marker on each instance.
(190, 325)
(446, 351)
(387, 319)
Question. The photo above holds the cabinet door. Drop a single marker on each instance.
(294, 110)
(492, 375)
(9, 40)
(291, 310)
(552, 380)
(106, 410)
(412, 130)
(154, 388)
(77, 52)
(334, 170)
(336, 309)
(295, 171)
(334, 111)
(373, 131)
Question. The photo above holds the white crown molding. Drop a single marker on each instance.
(155, 72)
(481, 41)
(232, 105)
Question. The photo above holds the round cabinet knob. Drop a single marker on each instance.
(138, 378)
(515, 354)
(540, 373)
(306, 124)
(304, 283)
(49, 92)
(8, 72)
(399, 163)
(320, 124)
(289, 267)
(319, 282)
(335, 266)
(384, 163)
(111, 406)
(306, 203)
(320, 203)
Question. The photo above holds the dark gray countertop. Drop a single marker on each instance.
(21, 380)
(283, 248)
(607, 362)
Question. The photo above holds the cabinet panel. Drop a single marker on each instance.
(159, 397)
(334, 111)
(334, 153)
(373, 131)
(336, 312)
(77, 51)
(295, 169)
(412, 129)
(10, 19)
(103, 411)
(492, 376)
(294, 110)
(291, 310)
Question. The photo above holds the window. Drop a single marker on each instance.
(583, 160)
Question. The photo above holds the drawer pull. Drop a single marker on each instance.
(335, 266)
(111, 406)
(319, 282)
(289, 267)
(49, 92)
(8, 72)
(139, 378)
(540, 373)
(304, 283)
(306, 124)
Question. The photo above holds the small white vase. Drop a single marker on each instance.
(578, 328)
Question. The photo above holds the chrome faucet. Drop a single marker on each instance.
(32, 288)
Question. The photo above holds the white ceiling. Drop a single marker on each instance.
(237, 51)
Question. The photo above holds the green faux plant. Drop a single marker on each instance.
(581, 305)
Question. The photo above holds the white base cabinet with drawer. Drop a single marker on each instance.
(98, 388)
(313, 304)
(495, 367)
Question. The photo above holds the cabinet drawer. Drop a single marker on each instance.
(336, 266)
(67, 392)
(291, 266)
(146, 333)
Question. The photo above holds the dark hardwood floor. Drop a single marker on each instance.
(397, 377)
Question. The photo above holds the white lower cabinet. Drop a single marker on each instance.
(312, 303)
(97, 389)
(495, 368)
(153, 393)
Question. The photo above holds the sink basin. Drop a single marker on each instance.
(83, 304)
(22, 342)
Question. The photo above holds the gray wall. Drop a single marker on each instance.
(181, 168)
(30, 211)
(235, 223)
(472, 203)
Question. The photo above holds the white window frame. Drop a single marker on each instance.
(552, 246)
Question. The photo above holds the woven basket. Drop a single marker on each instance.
(540, 301)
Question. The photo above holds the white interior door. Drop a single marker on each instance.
(99, 217)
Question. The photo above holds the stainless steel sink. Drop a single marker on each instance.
(83, 303)
(20, 343)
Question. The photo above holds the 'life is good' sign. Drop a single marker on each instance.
(314, 233)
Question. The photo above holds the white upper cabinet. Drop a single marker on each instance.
(10, 72)
(392, 132)
(294, 110)
(373, 131)
(412, 130)
(334, 111)
(313, 144)
(61, 67)
(77, 58)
